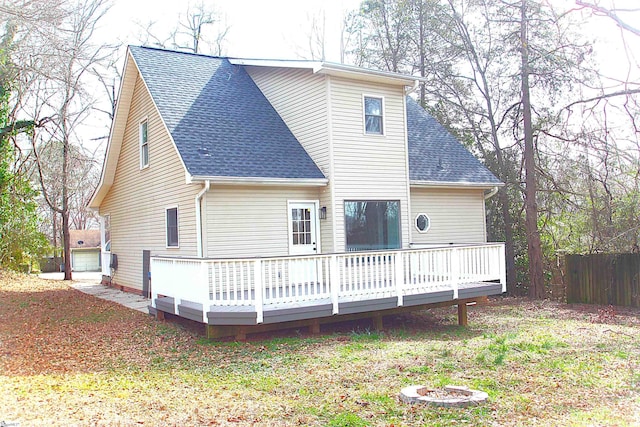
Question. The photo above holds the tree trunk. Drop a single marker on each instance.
(509, 246)
(534, 247)
(67, 245)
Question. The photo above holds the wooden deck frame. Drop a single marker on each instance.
(240, 332)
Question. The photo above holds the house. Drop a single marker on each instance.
(261, 191)
(85, 250)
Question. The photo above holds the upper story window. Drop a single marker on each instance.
(373, 123)
(144, 145)
(172, 227)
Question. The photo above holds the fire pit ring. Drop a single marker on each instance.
(450, 396)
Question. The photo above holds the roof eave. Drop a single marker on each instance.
(334, 69)
(455, 184)
(240, 180)
(116, 131)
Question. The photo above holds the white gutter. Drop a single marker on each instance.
(410, 89)
(491, 193)
(230, 180)
(454, 184)
(207, 185)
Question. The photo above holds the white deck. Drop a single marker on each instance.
(343, 281)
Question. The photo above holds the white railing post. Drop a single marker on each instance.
(398, 258)
(173, 277)
(334, 283)
(257, 289)
(154, 292)
(503, 268)
(204, 278)
(455, 271)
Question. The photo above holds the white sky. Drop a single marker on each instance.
(258, 28)
(279, 29)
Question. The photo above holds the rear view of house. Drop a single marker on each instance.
(258, 191)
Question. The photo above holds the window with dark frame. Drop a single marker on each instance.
(172, 227)
(373, 115)
(144, 145)
(372, 225)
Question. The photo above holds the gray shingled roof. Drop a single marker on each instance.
(436, 156)
(220, 121)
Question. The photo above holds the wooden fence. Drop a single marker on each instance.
(603, 279)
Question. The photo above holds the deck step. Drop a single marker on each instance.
(165, 304)
(279, 315)
(429, 298)
(475, 292)
(352, 307)
(190, 310)
(232, 315)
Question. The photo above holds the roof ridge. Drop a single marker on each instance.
(162, 49)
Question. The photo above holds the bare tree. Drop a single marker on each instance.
(57, 63)
(190, 33)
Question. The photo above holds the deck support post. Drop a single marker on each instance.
(159, 315)
(377, 322)
(462, 313)
(314, 327)
(241, 334)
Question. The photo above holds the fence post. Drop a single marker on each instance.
(399, 276)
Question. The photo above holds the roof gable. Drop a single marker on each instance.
(221, 123)
(435, 155)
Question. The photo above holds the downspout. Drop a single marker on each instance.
(207, 185)
(410, 89)
(491, 193)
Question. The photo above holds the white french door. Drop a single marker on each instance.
(303, 228)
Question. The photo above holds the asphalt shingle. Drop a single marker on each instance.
(223, 125)
(436, 156)
(219, 119)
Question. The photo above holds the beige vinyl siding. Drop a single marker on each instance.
(251, 221)
(457, 215)
(137, 200)
(300, 98)
(368, 167)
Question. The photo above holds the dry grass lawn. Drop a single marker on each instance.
(68, 359)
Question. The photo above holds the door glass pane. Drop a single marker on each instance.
(301, 226)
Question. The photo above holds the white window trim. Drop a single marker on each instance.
(415, 223)
(166, 227)
(364, 116)
(316, 204)
(144, 120)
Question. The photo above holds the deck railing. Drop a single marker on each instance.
(263, 282)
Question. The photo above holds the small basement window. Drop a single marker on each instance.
(423, 222)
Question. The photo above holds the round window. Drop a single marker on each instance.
(423, 223)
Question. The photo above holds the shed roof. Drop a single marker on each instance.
(84, 239)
